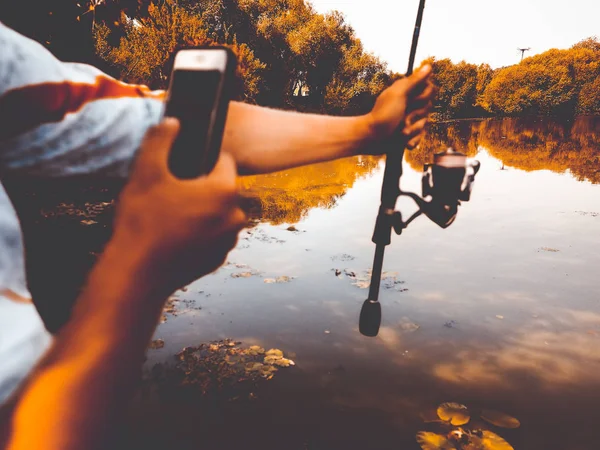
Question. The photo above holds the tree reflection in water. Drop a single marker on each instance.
(527, 144)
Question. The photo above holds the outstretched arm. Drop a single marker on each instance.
(266, 140)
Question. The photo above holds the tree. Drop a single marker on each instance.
(144, 52)
(357, 81)
(556, 82)
(459, 87)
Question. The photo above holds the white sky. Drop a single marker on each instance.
(476, 31)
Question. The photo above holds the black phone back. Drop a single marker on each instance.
(200, 100)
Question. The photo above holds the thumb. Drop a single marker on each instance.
(151, 161)
(417, 80)
(224, 172)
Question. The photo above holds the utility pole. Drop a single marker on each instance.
(523, 50)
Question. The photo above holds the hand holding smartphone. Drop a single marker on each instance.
(199, 93)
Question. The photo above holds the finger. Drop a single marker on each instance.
(419, 114)
(414, 84)
(238, 219)
(426, 95)
(414, 142)
(151, 161)
(415, 128)
(223, 174)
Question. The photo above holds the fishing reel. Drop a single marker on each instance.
(446, 183)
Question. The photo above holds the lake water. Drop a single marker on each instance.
(499, 311)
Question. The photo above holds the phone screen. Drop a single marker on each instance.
(192, 98)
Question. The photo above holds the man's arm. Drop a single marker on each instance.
(87, 377)
(266, 140)
(71, 119)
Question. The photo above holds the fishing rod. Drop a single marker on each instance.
(447, 181)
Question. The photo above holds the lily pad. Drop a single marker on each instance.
(488, 441)
(284, 362)
(454, 413)
(500, 419)
(433, 441)
(255, 350)
(275, 352)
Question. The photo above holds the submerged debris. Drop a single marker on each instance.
(220, 366)
(342, 257)
(242, 274)
(281, 279)
(588, 213)
(408, 326)
(363, 280)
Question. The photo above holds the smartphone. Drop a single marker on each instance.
(199, 92)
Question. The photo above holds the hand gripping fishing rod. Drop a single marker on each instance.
(370, 315)
(446, 182)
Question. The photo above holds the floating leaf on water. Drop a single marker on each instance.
(433, 441)
(274, 352)
(362, 284)
(491, 441)
(407, 326)
(267, 371)
(499, 317)
(283, 279)
(156, 344)
(386, 275)
(270, 280)
(241, 275)
(500, 419)
(284, 362)
(256, 350)
(455, 413)
(254, 366)
(271, 359)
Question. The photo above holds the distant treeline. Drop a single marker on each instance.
(291, 56)
(553, 83)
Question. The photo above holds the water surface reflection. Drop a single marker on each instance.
(500, 311)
